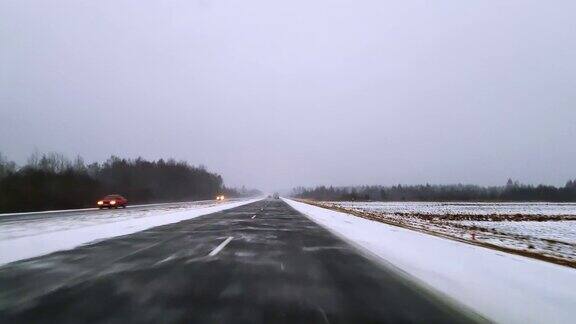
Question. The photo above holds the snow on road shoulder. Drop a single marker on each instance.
(62, 237)
(503, 287)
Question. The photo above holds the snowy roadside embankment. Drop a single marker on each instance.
(25, 240)
(502, 287)
(538, 233)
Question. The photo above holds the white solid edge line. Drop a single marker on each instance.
(221, 246)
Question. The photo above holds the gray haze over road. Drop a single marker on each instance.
(278, 94)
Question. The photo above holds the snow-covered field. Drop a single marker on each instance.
(26, 238)
(546, 230)
(502, 287)
(465, 208)
(563, 231)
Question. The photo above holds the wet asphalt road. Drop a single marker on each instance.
(259, 263)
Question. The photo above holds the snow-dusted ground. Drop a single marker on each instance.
(546, 229)
(503, 287)
(464, 208)
(26, 239)
(564, 231)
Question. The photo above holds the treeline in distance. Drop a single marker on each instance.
(52, 181)
(512, 191)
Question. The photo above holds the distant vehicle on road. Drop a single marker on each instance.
(276, 195)
(112, 201)
(220, 198)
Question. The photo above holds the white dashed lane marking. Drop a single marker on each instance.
(221, 246)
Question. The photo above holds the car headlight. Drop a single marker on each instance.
(100, 202)
(113, 202)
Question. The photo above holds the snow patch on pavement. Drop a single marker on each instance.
(503, 287)
(66, 233)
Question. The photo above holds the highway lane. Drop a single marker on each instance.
(51, 214)
(259, 263)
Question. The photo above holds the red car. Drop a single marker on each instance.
(112, 201)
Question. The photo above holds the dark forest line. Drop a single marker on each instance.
(52, 181)
(511, 192)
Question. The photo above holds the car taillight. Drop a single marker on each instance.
(100, 202)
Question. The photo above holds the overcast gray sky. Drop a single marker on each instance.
(274, 94)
